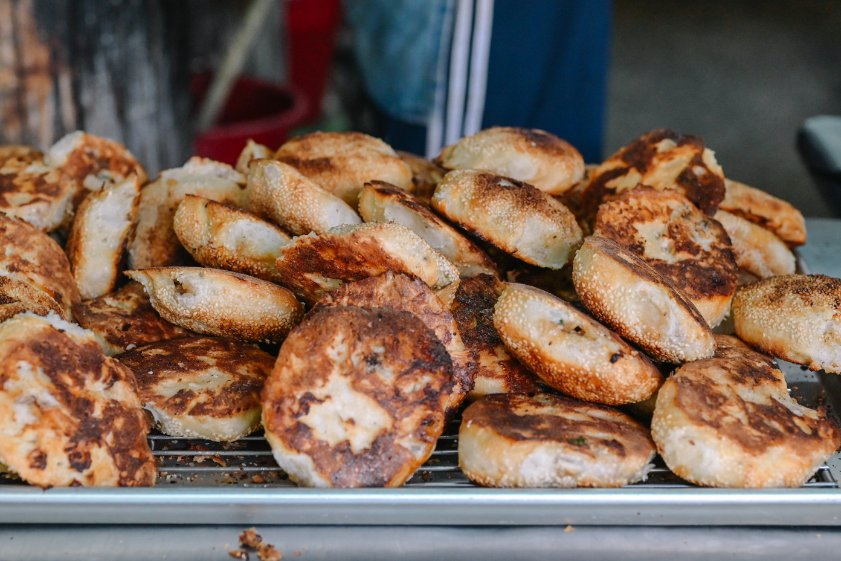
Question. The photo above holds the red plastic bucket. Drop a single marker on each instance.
(255, 109)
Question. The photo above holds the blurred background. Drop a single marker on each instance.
(742, 74)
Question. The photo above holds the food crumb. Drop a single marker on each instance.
(257, 478)
(265, 551)
(569, 529)
(240, 554)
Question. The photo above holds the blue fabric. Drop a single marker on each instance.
(548, 69)
(397, 44)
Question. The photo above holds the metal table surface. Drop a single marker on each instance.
(208, 543)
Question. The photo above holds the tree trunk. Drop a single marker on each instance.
(118, 69)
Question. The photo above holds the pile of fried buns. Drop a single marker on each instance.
(349, 300)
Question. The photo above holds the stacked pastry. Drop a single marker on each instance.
(350, 299)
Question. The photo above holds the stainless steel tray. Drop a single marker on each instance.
(202, 482)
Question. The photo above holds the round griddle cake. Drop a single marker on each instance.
(34, 272)
(496, 370)
(757, 250)
(69, 415)
(514, 216)
(662, 159)
(312, 266)
(531, 155)
(515, 440)
(280, 193)
(32, 190)
(341, 162)
(399, 292)
(684, 245)
(124, 319)
(571, 351)
(795, 317)
(729, 421)
(201, 387)
(382, 202)
(628, 295)
(217, 302)
(357, 398)
(766, 210)
(221, 236)
(89, 162)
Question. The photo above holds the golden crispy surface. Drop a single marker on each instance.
(496, 370)
(662, 159)
(32, 190)
(222, 303)
(530, 155)
(681, 243)
(425, 175)
(570, 351)
(312, 266)
(124, 319)
(88, 162)
(197, 386)
(514, 216)
(99, 234)
(398, 292)
(757, 250)
(69, 415)
(383, 202)
(33, 258)
(356, 398)
(766, 210)
(154, 243)
(341, 162)
(795, 317)
(280, 193)
(641, 305)
(728, 421)
(222, 236)
(516, 440)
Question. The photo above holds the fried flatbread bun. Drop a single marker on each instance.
(154, 243)
(571, 351)
(425, 175)
(729, 421)
(399, 292)
(341, 162)
(496, 370)
(221, 236)
(514, 216)
(124, 319)
(201, 387)
(280, 193)
(530, 155)
(683, 244)
(253, 151)
(795, 317)
(515, 440)
(662, 159)
(98, 236)
(382, 202)
(312, 266)
(217, 302)
(90, 162)
(34, 272)
(757, 250)
(636, 301)
(356, 398)
(32, 190)
(69, 415)
(762, 208)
